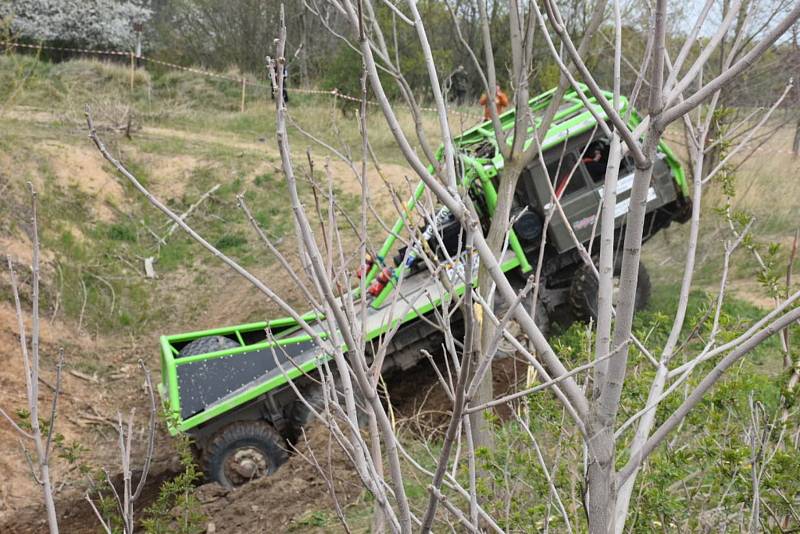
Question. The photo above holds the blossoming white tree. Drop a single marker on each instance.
(92, 23)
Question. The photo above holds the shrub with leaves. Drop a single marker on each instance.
(700, 479)
(176, 510)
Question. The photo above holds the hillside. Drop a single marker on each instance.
(186, 136)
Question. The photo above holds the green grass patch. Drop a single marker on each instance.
(230, 242)
(121, 232)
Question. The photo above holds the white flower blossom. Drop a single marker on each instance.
(92, 23)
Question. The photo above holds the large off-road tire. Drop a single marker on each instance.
(205, 345)
(583, 291)
(242, 451)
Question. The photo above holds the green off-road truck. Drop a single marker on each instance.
(228, 388)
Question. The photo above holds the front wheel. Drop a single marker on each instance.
(585, 286)
(243, 451)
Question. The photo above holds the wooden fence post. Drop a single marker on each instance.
(133, 69)
(244, 88)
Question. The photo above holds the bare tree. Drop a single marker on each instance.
(130, 494)
(667, 103)
(42, 438)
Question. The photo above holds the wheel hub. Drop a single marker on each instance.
(245, 464)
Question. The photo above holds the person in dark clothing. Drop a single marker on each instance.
(596, 160)
(459, 86)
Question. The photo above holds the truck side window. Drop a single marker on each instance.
(565, 181)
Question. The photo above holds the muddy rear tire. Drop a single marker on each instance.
(583, 291)
(243, 451)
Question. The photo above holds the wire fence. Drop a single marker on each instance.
(136, 61)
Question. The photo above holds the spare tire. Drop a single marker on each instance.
(585, 286)
(204, 345)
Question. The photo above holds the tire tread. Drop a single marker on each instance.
(236, 432)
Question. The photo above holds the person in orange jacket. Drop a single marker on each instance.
(500, 100)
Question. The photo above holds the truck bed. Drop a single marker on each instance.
(218, 381)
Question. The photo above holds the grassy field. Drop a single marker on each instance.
(765, 187)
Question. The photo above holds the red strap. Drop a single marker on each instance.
(562, 185)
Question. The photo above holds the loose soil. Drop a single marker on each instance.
(287, 500)
(83, 169)
(19, 249)
(173, 172)
(282, 501)
(87, 406)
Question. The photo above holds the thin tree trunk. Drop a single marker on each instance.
(659, 381)
(601, 488)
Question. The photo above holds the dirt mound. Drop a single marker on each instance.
(290, 496)
(297, 498)
(20, 250)
(297, 495)
(173, 174)
(75, 514)
(421, 406)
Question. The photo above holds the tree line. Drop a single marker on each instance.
(237, 36)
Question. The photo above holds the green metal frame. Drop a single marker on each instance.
(567, 123)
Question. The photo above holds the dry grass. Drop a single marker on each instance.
(768, 184)
(203, 104)
(767, 187)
